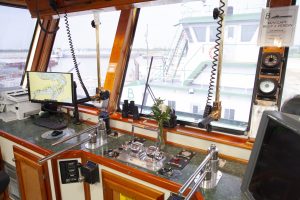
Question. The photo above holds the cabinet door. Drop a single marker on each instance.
(33, 177)
(118, 188)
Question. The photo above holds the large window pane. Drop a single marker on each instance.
(188, 34)
(248, 32)
(84, 41)
(16, 33)
(292, 81)
(212, 33)
(181, 68)
(200, 33)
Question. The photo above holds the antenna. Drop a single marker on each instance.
(147, 87)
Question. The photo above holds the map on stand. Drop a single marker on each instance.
(56, 87)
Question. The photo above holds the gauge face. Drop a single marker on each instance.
(267, 86)
(271, 59)
(186, 153)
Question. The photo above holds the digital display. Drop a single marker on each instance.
(276, 174)
(53, 87)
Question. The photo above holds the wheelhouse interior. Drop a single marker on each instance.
(101, 67)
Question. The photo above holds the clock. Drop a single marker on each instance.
(271, 63)
(271, 59)
(267, 88)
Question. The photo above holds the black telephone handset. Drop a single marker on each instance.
(56, 133)
(212, 113)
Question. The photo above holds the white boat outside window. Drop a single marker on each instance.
(292, 81)
(182, 46)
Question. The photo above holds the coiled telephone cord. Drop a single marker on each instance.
(217, 13)
(74, 56)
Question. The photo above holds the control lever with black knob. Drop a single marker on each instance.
(213, 115)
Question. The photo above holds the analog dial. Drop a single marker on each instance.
(271, 59)
(267, 86)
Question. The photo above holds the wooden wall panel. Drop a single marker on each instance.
(31, 173)
(279, 3)
(116, 184)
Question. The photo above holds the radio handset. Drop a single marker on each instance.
(213, 113)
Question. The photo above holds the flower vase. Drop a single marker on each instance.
(160, 137)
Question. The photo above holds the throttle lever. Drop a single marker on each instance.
(205, 123)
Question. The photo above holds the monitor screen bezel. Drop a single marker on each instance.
(48, 101)
(287, 121)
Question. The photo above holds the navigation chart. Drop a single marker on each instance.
(55, 87)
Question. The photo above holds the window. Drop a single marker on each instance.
(212, 33)
(172, 104)
(180, 72)
(15, 39)
(188, 34)
(84, 41)
(196, 109)
(230, 32)
(291, 86)
(248, 32)
(229, 114)
(200, 33)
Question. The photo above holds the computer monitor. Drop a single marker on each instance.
(273, 171)
(51, 87)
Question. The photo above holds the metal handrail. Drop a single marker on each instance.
(90, 138)
(63, 150)
(75, 135)
(193, 190)
(197, 171)
(202, 172)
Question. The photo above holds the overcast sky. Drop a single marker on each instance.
(16, 28)
(17, 25)
(155, 18)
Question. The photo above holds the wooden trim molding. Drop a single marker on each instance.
(84, 156)
(44, 46)
(194, 132)
(26, 144)
(87, 190)
(152, 179)
(279, 3)
(56, 178)
(113, 183)
(160, 182)
(243, 161)
(83, 5)
(14, 3)
(120, 55)
(223, 156)
(54, 162)
(84, 109)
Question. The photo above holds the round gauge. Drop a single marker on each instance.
(186, 153)
(267, 86)
(271, 59)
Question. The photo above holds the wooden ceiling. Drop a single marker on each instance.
(69, 6)
(82, 5)
(16, 3)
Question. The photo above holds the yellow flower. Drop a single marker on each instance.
(163, 108)
(160, 111)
